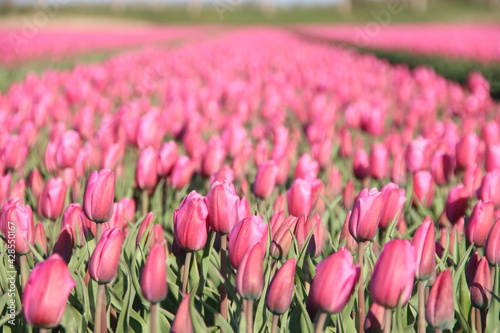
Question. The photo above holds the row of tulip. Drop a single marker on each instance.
(234, 179)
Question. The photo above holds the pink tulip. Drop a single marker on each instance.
(14, 153)
(214, 157)
(40, 237)
(265, 180)
(492, 157)
(190, 222)
(282, 236)
(154, 275)
(51, 201)
(490, 188)
(423, 188)
(35, 183)
(167, 158)
(245, 234)
(224, 174)
(424, 243)
(146, 172)
(481, 285)
(250, 273)
(103, 264)
(68, 148)
(71, 218)
(317, 241)
(456, 204)
(182, 320)
(492, 248)
(439, 310)
(18, 228)
(223, 204)
(307, 168)
(365, 215)
(129, 207)
(64, 243)
(441, 168)
(379, 159)
(375, 319)
(466, 150)
(182, 172)
(280, 290)
(99, 196)
(480, 223)
(398, 170)
(393, 202)
(417, 155)
(361, 164)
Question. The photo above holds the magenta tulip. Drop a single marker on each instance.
(280, 290)
(18, 228)
(439, 310)
(99, 196)
(154, 275)
(182, 320)
(223, 204)
(456, 204)
(146, 172)
(393, 202)
(265, 180)
(481, 285)
(480, 223)
(365, 215)
(245, 235)
(190, 222)
(492, 247)
(250, 274)
(423, 188)
(103, 264)
(425, 248)
(51, 201)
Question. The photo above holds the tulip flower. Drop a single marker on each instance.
(361, 164)
(15, 152)
(481, 285)
(146, 172)
(350, 242)
(35, 183)
(51, 201)
(154, 275)
(473, 176)
(214, 157)
(182, 320)
(250, 274)
(393, 202)
(379, 159)
(64, 243)
(335, 275)
(439, 310)
(480, 223)
(265, 180)
(41, 237)
(46, 292)
(103, 264)
(68, 149)
(245, 235)
(423, 188)
(398, 170)
(456, 204)
(348, 196)
(304, 227)
(307, 168)
(393, 275)
(375, 319)
(466, 150)
(365, 215)
(322, 151)
(417, 155)
(492, 157)
(99, 196)
(424, 244)
(490, 188)
(282, 238)
(190, 222)
(492, 247)
(128, 205)
(441, 167)
(280, 290)
(224, 174)
(167, 157)
(182, 172)
(18, 228)
(299, 197)
(223, 205)
(71, 218)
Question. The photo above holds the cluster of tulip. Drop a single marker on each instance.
(463, 41)
(331, 188)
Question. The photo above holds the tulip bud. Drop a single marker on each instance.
(51, 201)
(350, 242)
(214, 157)
(425, 248)
(243, 208)
(348, 196)
(423, 188)
(417, 155)
(146, 172)
(154, 275)
(375, 319)
(35, 183)
(379, 159)
(470, 268)
(17, 227)
(103, 264)
(466, 150)
(71, 218)
(439, 310)
(480, 223)
(393, 202)
(223, 204)
(492, 248)
(398, 169)
(299, 197)
(304, 227)
(99, 196)
(361, 164)
(456, 204)
(365, 215)
(280, 290)
(473, 177)
(182, 320)
(15, 152)
(441, 168)
(307, 168)
(490, 188)
(64, 244)
(335, 275)
(481, 285)
(265, 180)
(322, 151)
(149, 130)
(190, 222)
(492, 157)
(250, 274)
(68, 148)
(40, 237)
(128, 205)
(46, 292)
(182, 172)
(245, 235)
(167, 157)
(224, 174)
(282, 238)
(393, 275)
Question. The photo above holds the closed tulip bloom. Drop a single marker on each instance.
(473, 176)
(149, 130)
(470, 268)
(492, 157)
(280, 290)
(490, 188)
(250, 274)
(379, 159)
(365, 215)
(299, 197)
(456, 204)
(71, 218)
(398, 169)
(442, 167)
(307, 168)
(154, 275)
(492, 247)
(167, 157)
(349, 196)
(282, 238)
(64, 243)
(182, 320)
(103, 264)
(41, 237)
(466, 150)
(190, 222)
(393, 202)
(18, 190)
(5, 182)
(50, 156)
(481, 285)
(17, 221)
(425, 248)
(480, 223)
(490, 132)
(46, 292)
(35, 183)
(417, 155)
(393, 275)
(350, 242)
(423, 188)
(224, 174)
(439, 310)
(345, 149)
(361, 164)
(304, 227)
(375, 319)
(128, 205)
(265, 180)
(223, 204)
(182, 172)
(336, 275)
(14, 153)
(51, 201)
(146, 226)
(334, 186)
(245, 234)
(243, 208)
(99, 196)
(146, 172)
(214, 157)
(322, 151)
(68, 148)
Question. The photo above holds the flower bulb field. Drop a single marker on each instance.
(247, 179)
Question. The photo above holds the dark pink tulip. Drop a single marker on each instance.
(334, 283)
(393, 275)
(18, 190)
(417, 155)
(190, 222)
(149, 130)
(99, 196)
(490, 188)
(245, 234)
(224, 174)
(398, 170)
(442, 168)
(282, 237)
(473, 177)
(470, 268)
(361, 164)
(250, 273)
(490, 133)
(41, 237)
(365, 215)
(50, 156)
(375, 319)
(466, 150)
(456, 204)
(103, 264)
(350, 242)
(14, 153)
(128, 205)
(214, 157)
(439, 310)
(304, 226)
(307, 168)
(243, 208)
(35, 183)
(68, 148)
(423, 188)
(265, 180)
(223, 205)
(299, 197)
(146, 172)
(182, 172)
(51, 201)
(71, 218)
(17, 227)
(492, 160)
(481, 285)
(480, 223)
(379, 159)
(345, 149)
(349, 195)
(393, 202)
(182, 320)
(154, 275)
(334, 186)
(167, 157)
(322, 151)
(46, 292)
(424, 243)
(280, 290)
(492, 248)
(64, 243)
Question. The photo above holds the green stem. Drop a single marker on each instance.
(249, 315)
(479, 322)
(145, 202)
(154, 318)
(274, 328)
(361, 290)
(23, 262)
(320, 322)
(185, 276)
(98, 319)
(421, 306)
(98, 232)
(223, 271)
(388, 321)
(43, 330)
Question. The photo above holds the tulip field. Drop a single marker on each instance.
(246, 179)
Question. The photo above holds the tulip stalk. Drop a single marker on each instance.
(274, 328)
(23, 263)
(185, 275)
(388, 321)
(154, 318)
(223, 271)
(145, 202)
(320, 322)
(361, 289)
(248, 309)
(421, 306)
(100, 319)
